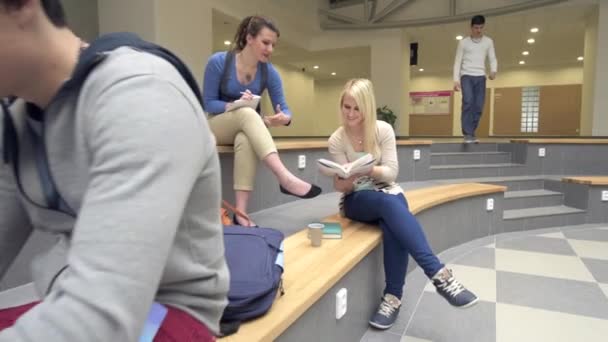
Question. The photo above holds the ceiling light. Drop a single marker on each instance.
(333, 74)
(580, 58)
(522, 62)
(525, 53)
(531, 41)
(534, 29)
(316, 67)
(227, 42)
(421, 69)
(459, 37)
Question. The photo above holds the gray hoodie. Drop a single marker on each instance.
(133, 156)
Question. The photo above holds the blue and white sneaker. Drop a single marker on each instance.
(453, 291)
(387, 312)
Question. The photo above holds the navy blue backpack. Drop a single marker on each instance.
(255, 261)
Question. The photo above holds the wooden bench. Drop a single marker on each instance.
(311, 144)
(566, 141)
(588, 180)
(308, 275)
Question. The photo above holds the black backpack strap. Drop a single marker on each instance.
(225, 76)
(264, 83)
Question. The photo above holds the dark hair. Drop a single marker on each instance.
(252, 25)
(52, 8)
(478, 20)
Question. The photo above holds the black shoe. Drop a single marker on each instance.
(313, 192)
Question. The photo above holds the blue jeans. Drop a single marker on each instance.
(402, 234)
(473, 98)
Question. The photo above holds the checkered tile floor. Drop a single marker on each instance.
(544, 285)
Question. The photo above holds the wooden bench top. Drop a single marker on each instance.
(309, 144)
(562, 141)
(589, 180)
(312, 271)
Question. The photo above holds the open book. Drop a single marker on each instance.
(362, 165)
(240, 103)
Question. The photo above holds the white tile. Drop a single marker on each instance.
(481, 281)
(604, 288)
(524, 324)
(590, 249)
(492, 245)
(413, 339)
(542, 264)
(558, 235)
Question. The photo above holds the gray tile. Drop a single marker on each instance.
(590, 235)
(598, 268)
(413, 289)
(437, 321)
(449, 255)
(520, 234)
(482, 257)
(563, 295)
(380, 336)
(538, 244)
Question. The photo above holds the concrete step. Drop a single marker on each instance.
(470, 158)
(542, 217)
(475, 170)
(522, 199)
(461, 147)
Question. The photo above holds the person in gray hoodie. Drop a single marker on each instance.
(107, 148)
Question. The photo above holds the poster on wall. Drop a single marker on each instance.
(430, 102)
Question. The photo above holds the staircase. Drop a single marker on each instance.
(530, 202)
(450, 161)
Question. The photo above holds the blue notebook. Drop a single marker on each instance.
(153, 322)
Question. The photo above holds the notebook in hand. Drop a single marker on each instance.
(362, 166)
(240, 103)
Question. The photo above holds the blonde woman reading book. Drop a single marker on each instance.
(242, 75)
(376, 198)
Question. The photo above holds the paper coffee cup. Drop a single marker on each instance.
(315, 231)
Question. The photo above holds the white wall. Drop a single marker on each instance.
(83, 17)
(299, 94)
(136, 16)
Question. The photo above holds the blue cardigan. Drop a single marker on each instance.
(212, 102)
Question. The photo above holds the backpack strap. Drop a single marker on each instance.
(226, 76)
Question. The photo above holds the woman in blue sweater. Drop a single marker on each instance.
(239, 74)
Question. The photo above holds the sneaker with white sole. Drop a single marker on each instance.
(469, 139)
(387, 312)
(452, 290)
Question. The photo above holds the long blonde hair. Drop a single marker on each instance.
(362, 91)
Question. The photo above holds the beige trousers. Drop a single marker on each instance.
(245, 129)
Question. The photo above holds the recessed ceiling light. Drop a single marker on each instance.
(421, 69)
(525, 53)
(534, 29)
(227, 42)
(333, 74)
(580, 58)
(522, 62)
(316, 67)
(459, 37)
(531, 41)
